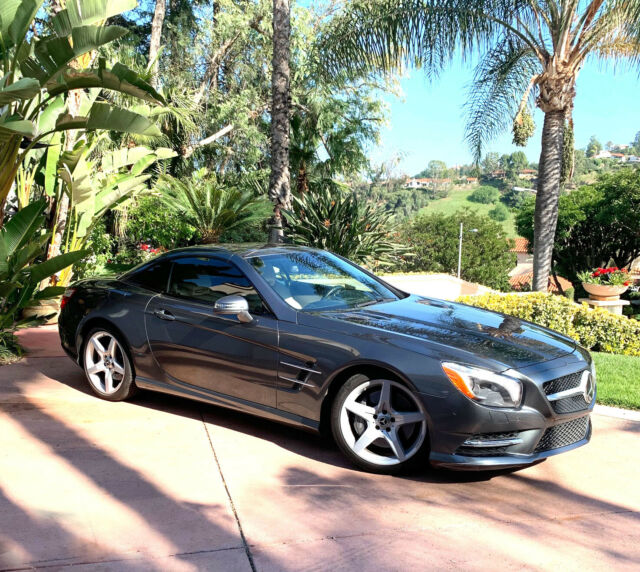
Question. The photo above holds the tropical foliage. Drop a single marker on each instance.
(211, 206)
(433, 242)
(333, 218)
(530, 54)
(598, 224)
(37, 72)
(21, 244)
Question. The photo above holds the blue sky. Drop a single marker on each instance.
(427, 122)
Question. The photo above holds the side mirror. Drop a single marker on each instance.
(233, 306)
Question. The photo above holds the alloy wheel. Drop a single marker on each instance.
(382, 422)
(104, 362)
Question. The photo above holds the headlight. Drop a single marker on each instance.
(484, 386)
(593, 370)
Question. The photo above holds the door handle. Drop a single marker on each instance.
(164, 315)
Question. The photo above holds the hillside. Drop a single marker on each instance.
(458, 199)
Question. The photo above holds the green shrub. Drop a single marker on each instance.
(595, 329)
(433, 244)
(499, 213)
(150, 221)
(101, 245)
(485, 195)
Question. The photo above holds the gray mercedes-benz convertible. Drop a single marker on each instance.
(308, 338)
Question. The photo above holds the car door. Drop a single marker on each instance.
(217, 353)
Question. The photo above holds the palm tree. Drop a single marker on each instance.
(280, 178)
(211, 206)
(530, 51)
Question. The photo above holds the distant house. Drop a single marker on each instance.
(528, 174)
(471, 180)
(521, 248)
(633, 159)
(425, 183)
(618, 156)
(604, 154)
(499, 174)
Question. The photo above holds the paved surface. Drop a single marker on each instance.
(443, 286)
(168, 484)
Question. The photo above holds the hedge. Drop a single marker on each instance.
(595, 329)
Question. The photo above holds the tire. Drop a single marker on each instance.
(107, 365)
(379, 424)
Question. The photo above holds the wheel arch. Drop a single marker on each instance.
(373, 370)
(100, 322)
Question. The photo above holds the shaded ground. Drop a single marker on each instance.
(168, 484)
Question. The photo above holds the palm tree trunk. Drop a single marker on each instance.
(154, 42)
(280, 178)
(546, 213)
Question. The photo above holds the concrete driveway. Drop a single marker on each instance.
(167, 484)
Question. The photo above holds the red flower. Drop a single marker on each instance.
(144, 247)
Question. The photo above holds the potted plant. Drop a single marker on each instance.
(605, 283)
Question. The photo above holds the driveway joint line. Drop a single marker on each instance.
(42, 565)
(245, 544)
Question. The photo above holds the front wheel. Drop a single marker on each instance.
(379, 424)
(107, 366)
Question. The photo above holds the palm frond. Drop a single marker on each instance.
(500, 80)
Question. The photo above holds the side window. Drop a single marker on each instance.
(153, 277)
(207, 280)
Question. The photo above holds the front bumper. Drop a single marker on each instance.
(468, 436)
(506, 460)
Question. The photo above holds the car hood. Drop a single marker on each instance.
(482, 333)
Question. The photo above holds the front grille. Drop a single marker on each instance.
(570, 404)
(563, 434)
(562, 383)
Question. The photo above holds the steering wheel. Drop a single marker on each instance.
(333, 291)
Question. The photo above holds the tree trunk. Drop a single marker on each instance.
(546, 212)
(280, 179)
(154, 42)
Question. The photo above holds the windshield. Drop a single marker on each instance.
(313, 281)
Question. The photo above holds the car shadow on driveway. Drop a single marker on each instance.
(316, 447)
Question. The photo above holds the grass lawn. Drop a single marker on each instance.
(618, 380)
(457, 200)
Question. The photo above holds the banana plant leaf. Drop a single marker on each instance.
(20, 228)
(83, 12)
(49, 292)
(8, 9)
(22, 19)
(51, 165)
(24, 88)
(105, 116)
(52, 54)
(39, 272)
(120, 79)
(15, 125)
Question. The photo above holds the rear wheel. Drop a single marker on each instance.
(107, 366)
(379, 424)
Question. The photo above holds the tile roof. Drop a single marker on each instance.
(521, 245)
(520, 281)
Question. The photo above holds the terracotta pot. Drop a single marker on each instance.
(602, 291)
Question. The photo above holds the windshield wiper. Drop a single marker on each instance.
(374, 301)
